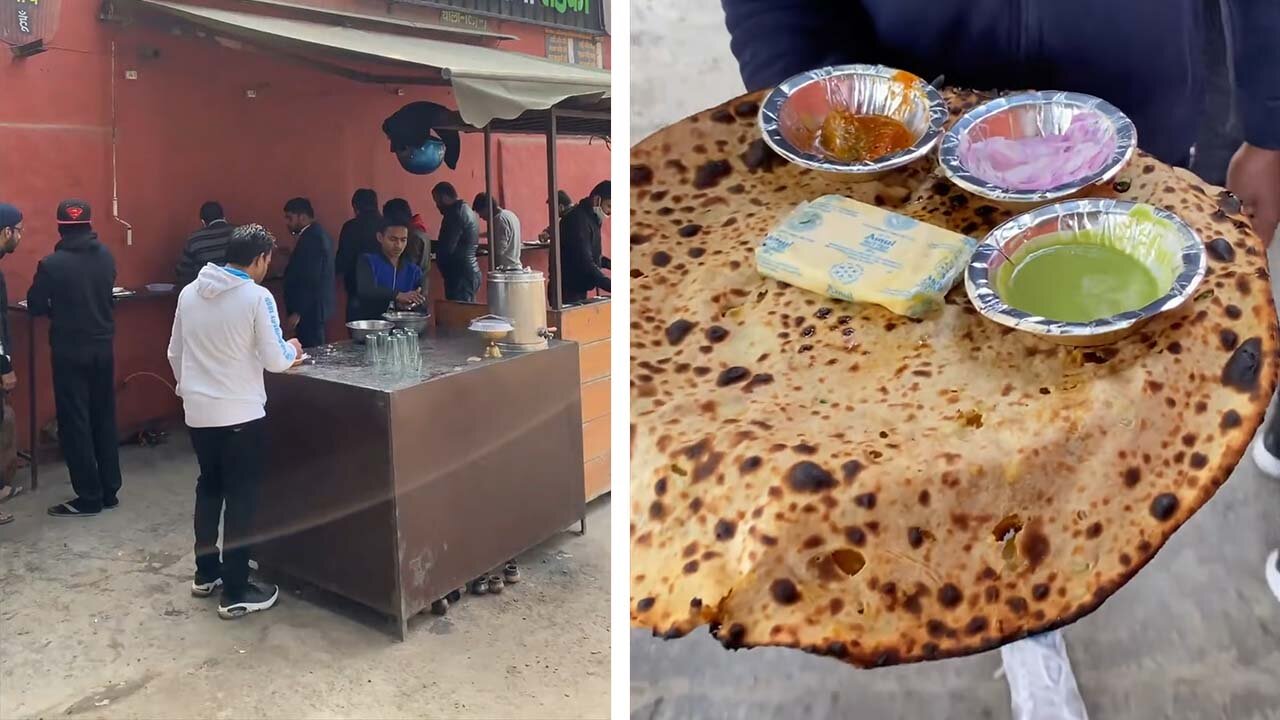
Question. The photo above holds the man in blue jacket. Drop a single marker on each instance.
(1144, 57)
(386, 277)
(308, 280)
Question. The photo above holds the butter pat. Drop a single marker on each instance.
(853, 251)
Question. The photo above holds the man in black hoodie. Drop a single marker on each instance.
(359, 235)
(73, 287)
(581, 258)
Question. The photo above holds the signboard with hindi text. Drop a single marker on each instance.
(23, 22)
(583, 15)
(574, 49)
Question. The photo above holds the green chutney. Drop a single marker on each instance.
(1077, 282)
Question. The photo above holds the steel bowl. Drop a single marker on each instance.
(1176, 240)
(1033, 114)
(362, 329)
(411, 321)
(792, 115)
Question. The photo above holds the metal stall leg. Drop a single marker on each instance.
(582, 524)
(557, 293)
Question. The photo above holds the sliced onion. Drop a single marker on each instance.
(1042, 162)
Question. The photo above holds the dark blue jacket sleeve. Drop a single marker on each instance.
(775, 40)
(1255, 40)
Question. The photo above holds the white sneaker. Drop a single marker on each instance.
(1273, 573)
(1269, 464)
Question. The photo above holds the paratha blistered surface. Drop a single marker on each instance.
(828, 476)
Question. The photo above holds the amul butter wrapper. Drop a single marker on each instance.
(853, 251)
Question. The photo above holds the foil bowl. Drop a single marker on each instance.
(362, 329)
(792, 115)
(414, 322)
(1168, 240)
(1033, 114)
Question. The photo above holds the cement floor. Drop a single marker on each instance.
(97, 621)
(1195, 635)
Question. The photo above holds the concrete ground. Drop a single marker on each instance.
(1195, 635)
(97, 621)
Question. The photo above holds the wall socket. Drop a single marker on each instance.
(130, 74)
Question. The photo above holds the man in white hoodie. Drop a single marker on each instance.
(225, 333)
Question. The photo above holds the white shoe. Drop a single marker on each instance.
(1273, 573)
(1269, 464)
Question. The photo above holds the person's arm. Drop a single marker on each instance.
(348, 249)
(775, 40)
(576, 248)
(40, 292)
(604, 263)
(506, 247)
(6, 352)
(274, 352)
(1254, 172)
(368, 290)
(175, 348)
(1255, 40)
(187, 267)
(451, 230)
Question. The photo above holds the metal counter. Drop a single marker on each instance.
(393, 490)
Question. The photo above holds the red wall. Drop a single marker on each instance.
(186, 133)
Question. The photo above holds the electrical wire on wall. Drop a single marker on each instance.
(163, 381)
(115, 131)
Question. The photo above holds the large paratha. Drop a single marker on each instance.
(816, 474)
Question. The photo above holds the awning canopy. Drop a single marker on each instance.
(487, 83)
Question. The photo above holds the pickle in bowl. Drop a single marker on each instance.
(858, 120)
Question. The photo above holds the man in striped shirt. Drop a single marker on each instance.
(206, 245)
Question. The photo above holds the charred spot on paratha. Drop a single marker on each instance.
(1243, 367)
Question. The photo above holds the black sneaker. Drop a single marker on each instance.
(74, 508)
(249, 599)
(202, 586)
(110, 503)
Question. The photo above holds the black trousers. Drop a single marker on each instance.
(84, 392)
(230, 471)
(310, 331)
(460, 285)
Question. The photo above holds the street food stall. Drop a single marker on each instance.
(829, 460)
(393, 485)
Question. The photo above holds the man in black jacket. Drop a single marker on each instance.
(10, 236)
(359, 236)
(1144, 57)
(206, 245)
(456, 248)
(73, 287)
(581, 257)
(308, 279)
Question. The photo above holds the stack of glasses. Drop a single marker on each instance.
(396, 352)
